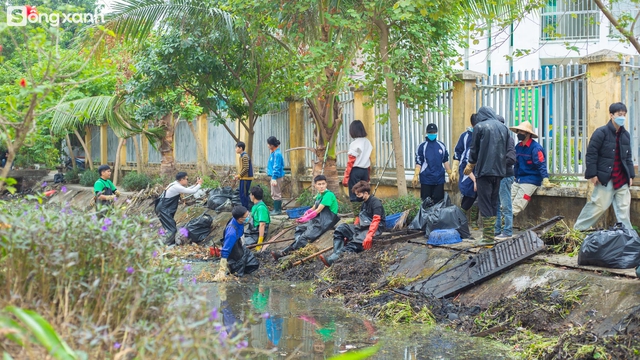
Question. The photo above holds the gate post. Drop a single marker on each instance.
(464, 103)
(103, 144)
(603, 86)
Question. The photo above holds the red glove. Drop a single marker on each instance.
(308, 217)
(347, 171)
(368, 241)
(214, 251)
(356, 221)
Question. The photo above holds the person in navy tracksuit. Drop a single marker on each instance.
(467, 184)
(432, 160)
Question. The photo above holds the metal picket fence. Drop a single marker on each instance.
(630, 80)
(553, 99)
(413, 124)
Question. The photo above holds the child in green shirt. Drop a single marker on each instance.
(259, 227)
(316, 221)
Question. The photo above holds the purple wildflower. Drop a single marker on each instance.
(107, 221)
(128, 201)
(25, 213)
(117, 345)
(217, 328)
(161, 232)
(193, 280)
(104, 228)
(167, 270)
(155, 253)
(44, 184)
(151, 225)
(184, 232)
(213, 315)
(41, 218)
(187, 267)
(242, 344)
(94, 218)
(265, 315)
(180, 281)
(124, 216)
(130, 270)
(37, 206)
(63, 189)
(223, 335)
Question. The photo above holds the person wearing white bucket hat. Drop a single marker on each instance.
(530, 168)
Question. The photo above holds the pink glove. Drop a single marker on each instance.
(308, 217)
(307, 212)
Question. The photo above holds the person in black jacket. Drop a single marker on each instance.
(610, 170)
(490, 154)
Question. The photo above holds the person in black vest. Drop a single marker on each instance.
(168, 204)
(610, 169)
(359, 237)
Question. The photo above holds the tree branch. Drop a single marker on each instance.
(627, 34)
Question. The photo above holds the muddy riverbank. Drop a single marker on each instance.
(546, 307)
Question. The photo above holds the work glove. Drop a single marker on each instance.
(455, 167)
(274, 182)
(347, 171)
(469, 168)
(214, 251)
(308, 212)
(415, 180)
(109, 197)
(221, 275)
(117, 193)
(260, 240)
(449, 173)
(546, 183)
(307, 217)
(368, 240)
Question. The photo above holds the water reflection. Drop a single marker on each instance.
(301, 326)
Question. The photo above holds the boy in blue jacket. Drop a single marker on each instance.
(432, 160)
(236, 258)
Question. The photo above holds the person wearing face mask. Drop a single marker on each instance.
(236, 258)
(432, 160)
(610, 170)
(359, 236)
(530, 169)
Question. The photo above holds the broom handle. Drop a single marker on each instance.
(269, 242)
(311, 256)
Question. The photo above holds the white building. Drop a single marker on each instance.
(563, 32)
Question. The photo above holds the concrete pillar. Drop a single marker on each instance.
(103, 144)
(364, 111)
(464, 104)
(202, 133)
(603, 86)
(296, 139)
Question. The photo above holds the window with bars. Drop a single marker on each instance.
(570, 20)
(626, 13)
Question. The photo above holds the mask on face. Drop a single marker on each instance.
(432, 136)
(521, 137)
(619, 120)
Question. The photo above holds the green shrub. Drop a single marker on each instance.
(209, 183)
(305, 198)
(135, 181)
(397, 205)
(72, 176)
(105, 286)
(268, 200)
(89, 177)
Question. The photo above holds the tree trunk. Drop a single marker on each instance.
(87, 153)
(393, 109)
(11, 155)
(71, 155)
(168, 163)
(202, 162)
(136, 146)
(251, 133)
(116, 165)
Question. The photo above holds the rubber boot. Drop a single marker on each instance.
(489, 224)
(338, 245)
(277, 208)
(474, 214)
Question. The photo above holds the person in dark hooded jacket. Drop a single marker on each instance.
(490, 154)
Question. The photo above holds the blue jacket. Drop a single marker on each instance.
(461, 152)
(232, 233)
(275, 166)
(531, 163)
(430, 156)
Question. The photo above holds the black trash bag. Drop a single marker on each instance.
(451, 217)
(58, 178)
(420, 221)
(221, 199)
(235, 198)
(199, 228)
(617, 248)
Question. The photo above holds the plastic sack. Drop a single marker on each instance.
(199, 228)
(223, 199)
(451, 217)
(617, 248)
(420, 221)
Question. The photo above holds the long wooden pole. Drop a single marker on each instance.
(270, 242)
(311, 256)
